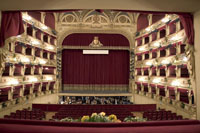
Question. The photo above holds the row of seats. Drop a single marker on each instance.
(161, 115)
(27, 114)
(75, 113)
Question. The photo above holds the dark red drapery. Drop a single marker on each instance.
(11, 25)
(142, 22)
(50, 20)
(95, 69)
(187, 21)
(35, 14)
(157, 17)
(84, 39)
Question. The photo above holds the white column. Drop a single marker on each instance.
(21, 92)
(157, 91)
(47, 86)
(197, 57)
(49, 39)
(34, 33)
(10, 94)
(31, 89)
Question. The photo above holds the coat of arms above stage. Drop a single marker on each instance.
(96, 43)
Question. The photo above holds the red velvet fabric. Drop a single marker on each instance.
(95, 69)
(142, 22)
(187, 21)
(11, 25)
(157, 17)
(84, 39)
(132, 108)
(176, 126)
(50, 20)
(35, 14)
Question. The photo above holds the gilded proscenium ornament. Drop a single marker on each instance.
(96, 43)
(3, 53)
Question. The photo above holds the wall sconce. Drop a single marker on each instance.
(175, 38)
(148, 29)
(27, 17)
(165, 62)
(25, 59)
(156, 80)
(156, 44)
(175, 83)
(141, 49)
(44, 27)
(149, 63)
(13, 82)
(35, 42)
(185, 59)
(166, 19)
(142, 79)
(33, 79)
(42, 61)
(50, 47)
(49, 78)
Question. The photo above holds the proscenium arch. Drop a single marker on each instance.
(66, 33)
(127, 34)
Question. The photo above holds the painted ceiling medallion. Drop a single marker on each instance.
(96, 43)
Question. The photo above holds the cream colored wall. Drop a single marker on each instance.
(144, 5)
(139, 99)
(46, 99)
(197, 57)
(50, 99)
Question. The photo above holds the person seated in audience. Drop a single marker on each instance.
(96, 100)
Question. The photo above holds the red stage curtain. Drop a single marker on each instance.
(84, 39)
(50, 20)
(11, 25)
(142, 22)
(95, 69)
(187, 21)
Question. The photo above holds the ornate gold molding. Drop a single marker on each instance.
(104, 47)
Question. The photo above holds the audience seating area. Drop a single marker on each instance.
(95, 100)
(132, 108)
(78, 111)
(161, 115)
(35, 114)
